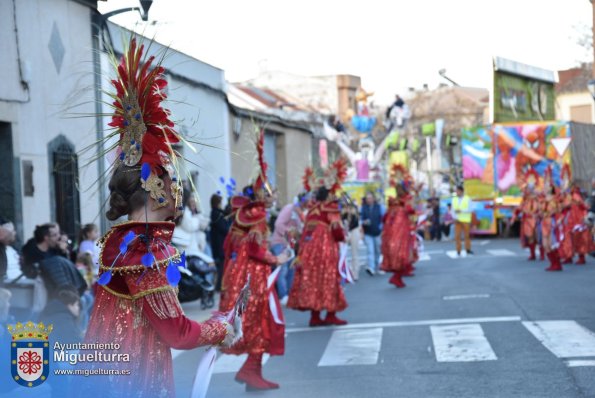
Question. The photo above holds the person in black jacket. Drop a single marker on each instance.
(218, 231)
(371, 220)
(44, 244)
(59, 273)
(63, 312)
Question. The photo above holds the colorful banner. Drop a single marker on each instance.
(494, 170)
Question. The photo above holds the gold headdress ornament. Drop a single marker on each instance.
(331, 178)
(146, 133)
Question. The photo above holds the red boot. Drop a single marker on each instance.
(581, 260)
(332, 319)
(396, 280)
(532, 250)
(315, 319)
(554, 258)
(251, 374)
(567, 260)
(541, 253)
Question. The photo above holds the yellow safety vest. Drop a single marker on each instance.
(463, 205)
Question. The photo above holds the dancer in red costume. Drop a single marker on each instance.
(565, 201)
(550, 228)
(582, 240)
(529, 210)
(398, 235)
(317, 281)
(136, 303)
(263, 330)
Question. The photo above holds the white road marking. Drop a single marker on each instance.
(233, 363)
(465, 296)
(565, 339)
(408, 323)
(501, 252)
(435, 251)
(573, 363)
(424, 257)
(485, 242)
(461, 343)
(352, 347)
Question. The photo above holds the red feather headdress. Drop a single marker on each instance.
(399, 175)
(565, 177)
(309, 180)
(146, 133)
(332, 178)
(260, 183)
(530, 176)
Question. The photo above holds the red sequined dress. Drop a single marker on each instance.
(317, 281)
(139, 310)
(566, 250)
(530, 209)
(582, 239)
(260, 331)
(398, 239)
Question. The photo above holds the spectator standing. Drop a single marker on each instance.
(371, 219)
(9, 257)
(288, 227)
(435, 227)
(219, 227)
(461, 204)
(351, 220)
(447, 221)
(88, 243)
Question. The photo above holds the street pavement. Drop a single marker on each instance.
(488, 325)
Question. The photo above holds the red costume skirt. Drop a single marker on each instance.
(317, 282)
(398, 244)
(260, 332)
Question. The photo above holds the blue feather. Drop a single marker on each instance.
(145, 171)
(233, 182)
(148, 259)
(182, 262)
(222, 180)
(105, 278)
(129, 237)
(123, 248)
(173, 274)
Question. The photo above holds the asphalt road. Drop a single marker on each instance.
(489, 325)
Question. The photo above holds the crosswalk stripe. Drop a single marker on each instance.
(465, 296)
(352, 347)
(233, 363)
(461, 343)
(565, 339)
(573, 363)
(424, 257)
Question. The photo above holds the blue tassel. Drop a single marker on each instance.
(173, 274)
(182, 262)
(145, 171)
(122, 155)
(250, 192)
(148, 259)
(222, 180)
(233, 182)
(123, 248)
(105, 278)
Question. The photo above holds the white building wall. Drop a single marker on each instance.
(567, 100)
(40, 116)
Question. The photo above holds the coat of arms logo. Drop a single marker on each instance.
(30, 353)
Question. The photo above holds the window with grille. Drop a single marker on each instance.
(64, 173)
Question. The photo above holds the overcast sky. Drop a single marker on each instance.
(391, 44)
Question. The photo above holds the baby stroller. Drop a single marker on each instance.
(203, 273)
